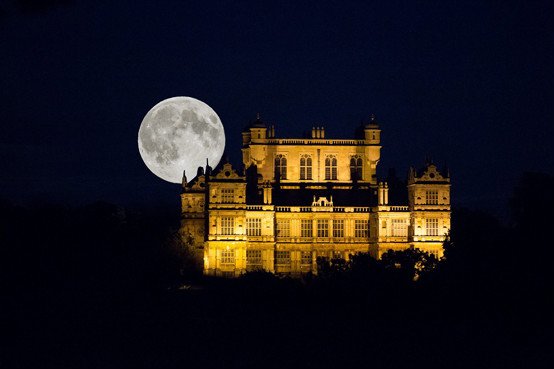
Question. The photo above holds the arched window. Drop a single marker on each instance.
(356, 168)
(280, 166)
(305, 167)
(330, 167)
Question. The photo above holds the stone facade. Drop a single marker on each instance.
(299, 199)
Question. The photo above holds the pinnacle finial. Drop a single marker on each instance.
(184, 181)
(258, 116)
(372, 117)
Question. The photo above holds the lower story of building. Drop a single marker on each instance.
(233, 258)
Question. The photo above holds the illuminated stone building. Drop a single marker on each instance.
(299, 199)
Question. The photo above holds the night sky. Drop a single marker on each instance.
(469, 84)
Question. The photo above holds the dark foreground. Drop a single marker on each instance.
(96, 287)
(279, 324)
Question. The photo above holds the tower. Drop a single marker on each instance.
(429, 205)
(224, 253)
(372, 132)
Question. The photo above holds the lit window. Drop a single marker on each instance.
(254, 258)
(283, 228)
(331, 167)
(356, 168)
(227, 225)
(282, 257)
(253, 226)
(361, 228)
(227, 195)
(399, 228)
(338, 228)
(322, 228)
(305, 167)
(432, 226)
(432, 197)
(227, 257)
(280, 166)
(306, 228)
(306, 258)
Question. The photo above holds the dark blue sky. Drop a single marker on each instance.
(468, 83)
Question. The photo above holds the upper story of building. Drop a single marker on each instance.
(316, 158)
(429, 189)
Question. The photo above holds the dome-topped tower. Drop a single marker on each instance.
(372, 132)
(256, 129)
(258, 123)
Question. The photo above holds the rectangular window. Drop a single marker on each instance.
(356, 165)
(338, 228)
(281, 166)
(432, 226)
(306, 228)
(305, 167)
(282, 257)
(227, 225)
(254, 258)
(253, 227)
(227, 257)
(227, 195)
(322, 228)
(361, 228)
(399, 228)
(432, 197)
(306, 258)
(331, 167)
(283, 228)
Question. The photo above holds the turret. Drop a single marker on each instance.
(258, 129)
(372, 132)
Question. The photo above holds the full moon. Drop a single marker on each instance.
(179, 134)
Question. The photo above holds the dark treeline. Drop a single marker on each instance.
(98, 286)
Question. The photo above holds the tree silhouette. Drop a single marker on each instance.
(182, 258)
(410, 264)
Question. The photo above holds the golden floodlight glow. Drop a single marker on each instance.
(304, 198)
